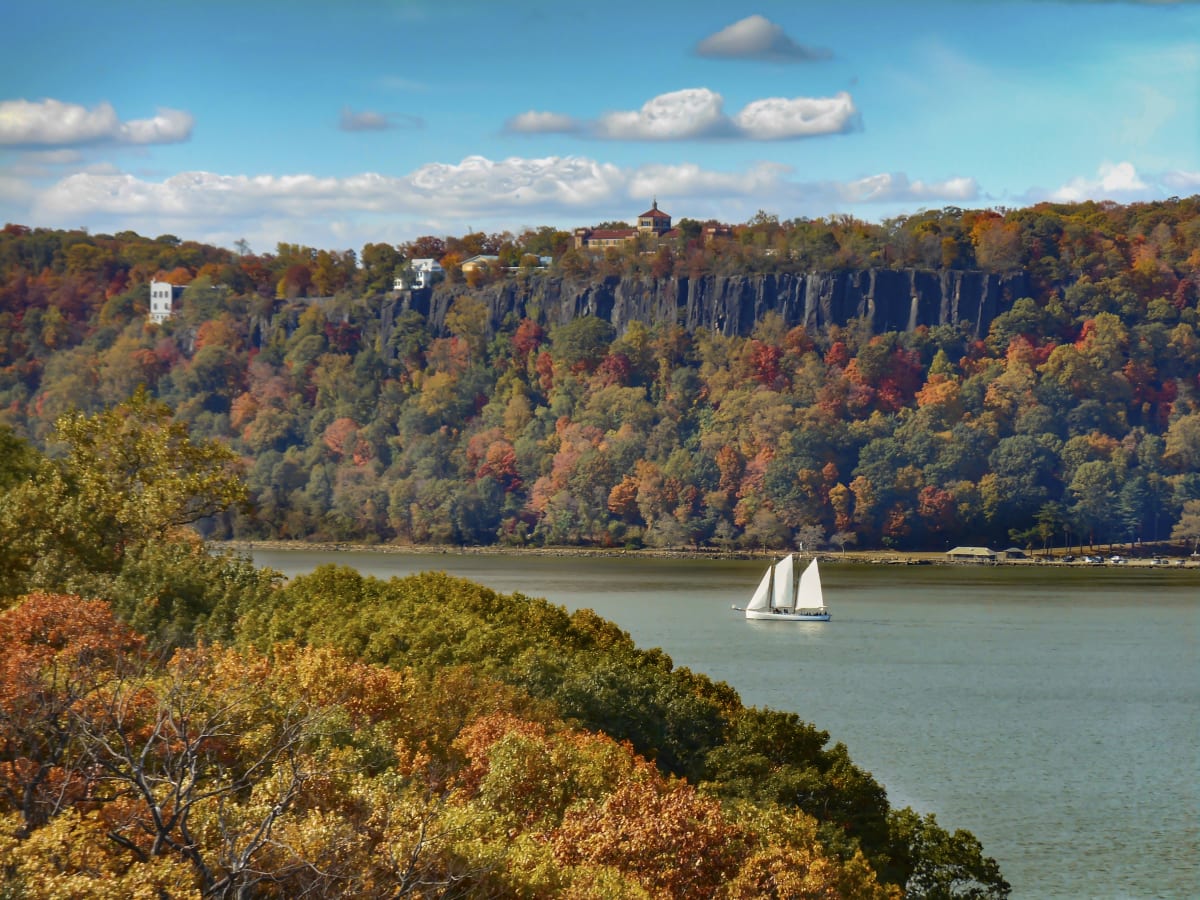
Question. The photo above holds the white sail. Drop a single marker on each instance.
(762, 595)
(782, 595)
(809, 594)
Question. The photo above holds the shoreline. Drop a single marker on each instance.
(873, 557)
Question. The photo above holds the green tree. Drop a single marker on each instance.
(18, 460)
(130, 476)
(1093, 491)
(582, 342)
(1188, 526)
(936, 865)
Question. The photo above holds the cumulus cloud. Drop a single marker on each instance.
(475, 188)
(535, 122)
(476, 185)
(52, 123)
(698, 113)
(756, 37)
(779, 118)
(676, 116)
(1119, 181)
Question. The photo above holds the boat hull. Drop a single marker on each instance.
(768, 615)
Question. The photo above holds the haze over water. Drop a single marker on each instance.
(1054, 713)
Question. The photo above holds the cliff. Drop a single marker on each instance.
(889, 299)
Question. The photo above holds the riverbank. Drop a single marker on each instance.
(873, 557)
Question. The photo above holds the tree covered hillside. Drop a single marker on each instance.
(1076, 417)
(176, 723)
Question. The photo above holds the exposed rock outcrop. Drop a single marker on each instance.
(889, 299)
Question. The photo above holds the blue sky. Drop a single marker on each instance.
(339, 124)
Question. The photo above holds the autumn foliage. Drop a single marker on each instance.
(433, 421)
(219, 772)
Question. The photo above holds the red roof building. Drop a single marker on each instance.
(653, 222)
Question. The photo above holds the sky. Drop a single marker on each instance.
(334, 125)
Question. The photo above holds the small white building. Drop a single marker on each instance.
(419, 273)
(971, 554)
(163, 295)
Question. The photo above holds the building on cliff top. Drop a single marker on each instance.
(481, 261)
(163, 295)
(653, 222)
(419, 273)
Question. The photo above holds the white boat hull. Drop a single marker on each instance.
(770, 615)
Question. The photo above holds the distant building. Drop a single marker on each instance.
(419, 273)
(971, 554)
(652, 222)
(482, 261)
(163, 295)
(714, 232)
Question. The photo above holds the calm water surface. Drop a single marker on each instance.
(1054, 713)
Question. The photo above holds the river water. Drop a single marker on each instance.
(1053, 712)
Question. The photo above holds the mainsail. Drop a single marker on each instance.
(782, 598)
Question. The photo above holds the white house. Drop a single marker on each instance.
(419, 273)
(163, 295)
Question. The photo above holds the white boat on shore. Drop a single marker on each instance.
(777, 600)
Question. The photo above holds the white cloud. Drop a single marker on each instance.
(1118, 181)
(756, 37)
(535, 122)
(698, 113)
(678, 115)
(1182, 182)
(778, 118)
(689, 180)
(473, 187)
(52, 123)
(896, 187)
(477, 190)
(168, 127)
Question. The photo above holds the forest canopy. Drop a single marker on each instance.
(1075, 418)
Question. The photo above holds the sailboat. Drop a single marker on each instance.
(775, 601)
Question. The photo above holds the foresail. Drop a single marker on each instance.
(782, 596)
(762, 595)
(809, 594)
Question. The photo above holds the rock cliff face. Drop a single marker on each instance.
(889, 299)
